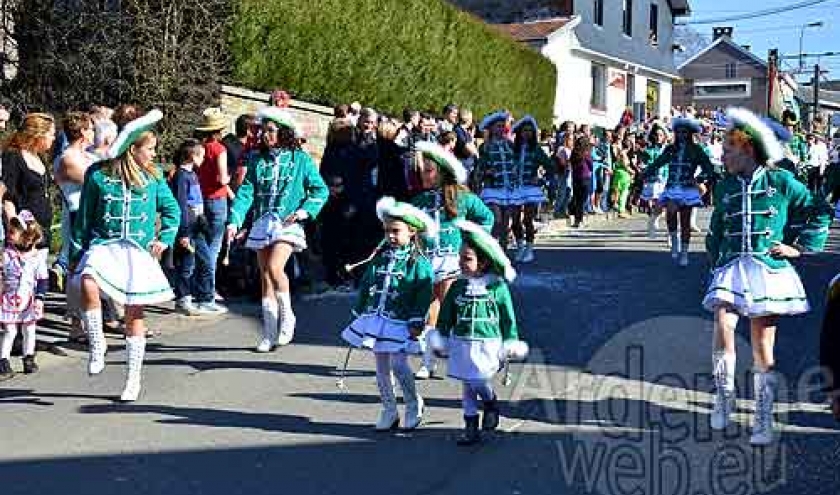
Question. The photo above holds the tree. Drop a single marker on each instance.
(690, 40)
(153, 53)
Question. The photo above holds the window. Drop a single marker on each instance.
(653, 37)
(631, 90)
(598, 15)
(731, 73)
(599, 87)
(628, 17)
(722, 90)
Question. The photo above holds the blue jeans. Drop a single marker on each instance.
(208, 243)
(564, 194)
(182, 270)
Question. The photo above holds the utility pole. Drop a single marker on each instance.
(816, 97)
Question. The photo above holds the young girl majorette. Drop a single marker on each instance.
(115, 242)
(477, 327)
(445, 199)
(763, 216)
(25, 281)
(390, 313)
(496, 174)
(682, 192)
(655, 179)
(529, 157)
(285, 184)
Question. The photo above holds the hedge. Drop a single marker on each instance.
(387, 54)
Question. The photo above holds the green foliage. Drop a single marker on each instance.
(388, 54)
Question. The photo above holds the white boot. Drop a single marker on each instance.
(414, 406)
(684, 256)
(763, 386)
(136, 349)
(389, 418)
(287, 319)
(97, 346)
(724, 375)
(269, 325)
(651, 227)
(528, 253)
(675, 244)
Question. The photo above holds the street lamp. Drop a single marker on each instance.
(801, 36)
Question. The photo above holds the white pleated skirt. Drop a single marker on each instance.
(473, 359)
(269, 229)
(382, 335)
(681, 196)
(756, 290)
(127, 274)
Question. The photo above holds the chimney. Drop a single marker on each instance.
(720, 32)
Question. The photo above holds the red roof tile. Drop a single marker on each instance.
(529, 31)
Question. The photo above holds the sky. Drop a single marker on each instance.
(780, 31)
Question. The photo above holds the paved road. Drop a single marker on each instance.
(613, 400)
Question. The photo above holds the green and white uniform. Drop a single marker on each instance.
(477, 318)
(114, 227)
(394, 295)
(751, 215)
(278, 184)
(443, 250)
(655, 179)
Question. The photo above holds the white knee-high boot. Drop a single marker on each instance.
(413, 402)
(388, 417)
(287, 319)
(764, 384)
(270, 316)
(675, 244)
(92, 321)
(136, 349)
(723, 366)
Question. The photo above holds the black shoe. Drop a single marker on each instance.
(6, 370)
(490, 419)
(29, 365)
(471, 436)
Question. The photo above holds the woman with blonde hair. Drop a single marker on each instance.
(115, 244)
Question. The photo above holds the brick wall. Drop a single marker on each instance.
(313, 120)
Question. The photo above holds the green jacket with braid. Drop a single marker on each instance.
(110, 211)
(752, 214)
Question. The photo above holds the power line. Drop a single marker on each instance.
(760, 13)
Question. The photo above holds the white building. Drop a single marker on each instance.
(610, 55)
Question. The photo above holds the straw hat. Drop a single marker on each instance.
(213, 119)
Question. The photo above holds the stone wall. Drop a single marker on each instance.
(313, 120)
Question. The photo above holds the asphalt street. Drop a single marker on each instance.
(614, 399)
